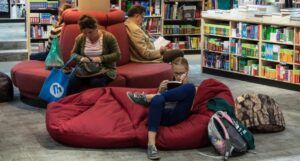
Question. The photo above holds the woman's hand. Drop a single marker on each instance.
(84, 60)
(162, 50)
(184, 78)
(96, 59)
(163, 86)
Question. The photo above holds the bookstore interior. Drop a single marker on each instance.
(252, 40)
(246, 37)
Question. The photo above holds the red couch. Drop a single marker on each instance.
(106, 118)
(29, 76)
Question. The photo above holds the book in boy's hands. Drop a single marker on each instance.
(160, 42)
(173, 84)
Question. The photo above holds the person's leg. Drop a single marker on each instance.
(75, 85)
(154, 117)
(179, 93)
(99, 81)
(183, 105)
(39, 56)
(170, 55)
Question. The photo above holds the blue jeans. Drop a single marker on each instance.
(159, 115)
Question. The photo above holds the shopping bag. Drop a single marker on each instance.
(56, 84)
(54, 57)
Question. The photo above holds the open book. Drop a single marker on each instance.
(173, 84)
(160, 42)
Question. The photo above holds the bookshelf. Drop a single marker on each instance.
(176, 20)
(181, 24)
(40, 19)
(251, 48)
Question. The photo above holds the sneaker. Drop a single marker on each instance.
(138, 98)
(152, 152)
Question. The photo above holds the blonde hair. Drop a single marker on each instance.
(61, 10)
(181, 61)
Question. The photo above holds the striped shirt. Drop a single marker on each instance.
(93, 49)
(55, 32)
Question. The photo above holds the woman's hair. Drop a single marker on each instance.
(61, 10)
(181, 61)
(87, 21)
(136, 10)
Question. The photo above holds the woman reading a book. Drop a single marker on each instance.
(171, 105)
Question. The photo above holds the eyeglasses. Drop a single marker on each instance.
(177, 74)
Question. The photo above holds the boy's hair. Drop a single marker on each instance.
(136, 10)
(181, 61)
(87, 21)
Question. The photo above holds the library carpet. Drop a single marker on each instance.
(23, 135)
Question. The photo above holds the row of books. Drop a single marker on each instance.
(181, 29)
(40, 31)
(275, 52)
(151, 9)
(43, 5)
(280, 72)
(189, 43)
(243, 65)
(216, 29)
(278, 34)
(243, 49)
(296, 76)
(297, 56)
(152, 25)
(174, 11)
(46, 18)
(216, 44)
(217, 61)
(39, 47)
(244, 30)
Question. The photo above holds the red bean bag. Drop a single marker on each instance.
(106, 118)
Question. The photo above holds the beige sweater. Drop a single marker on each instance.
(140, 45)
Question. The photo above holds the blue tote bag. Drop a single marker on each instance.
(56, 84)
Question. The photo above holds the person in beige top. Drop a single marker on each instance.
(141, 45)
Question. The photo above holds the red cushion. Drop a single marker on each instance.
(106, 118)
(29, 77)
(143, 75)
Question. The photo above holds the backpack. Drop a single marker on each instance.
(225, 137)
(259, 113)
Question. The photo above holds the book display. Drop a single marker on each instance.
(42, 16)
(251, 47)
(178, 21)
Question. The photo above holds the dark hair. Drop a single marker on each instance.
(61, 10)
(136, 10)
(181, 61)
(87, 21)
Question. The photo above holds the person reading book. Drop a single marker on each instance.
(168, 106)
(141, 45)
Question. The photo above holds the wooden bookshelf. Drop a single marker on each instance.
(278, 66)
(40, 18)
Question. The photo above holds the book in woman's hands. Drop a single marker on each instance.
(173, 84)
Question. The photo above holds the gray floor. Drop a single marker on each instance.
(23, 136)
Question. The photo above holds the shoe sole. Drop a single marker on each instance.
(133, 100)
(154, 158)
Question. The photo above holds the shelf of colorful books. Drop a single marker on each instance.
(216, 35)
(218, 52)
(250, 57)
(256, 40)
(183, 1)
(183, 20)
(277, 42)
(182, 35)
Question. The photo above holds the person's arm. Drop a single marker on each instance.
(77, 48)
(114, 54)
(138, 38)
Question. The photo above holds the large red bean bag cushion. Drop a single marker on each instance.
(106, 118)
